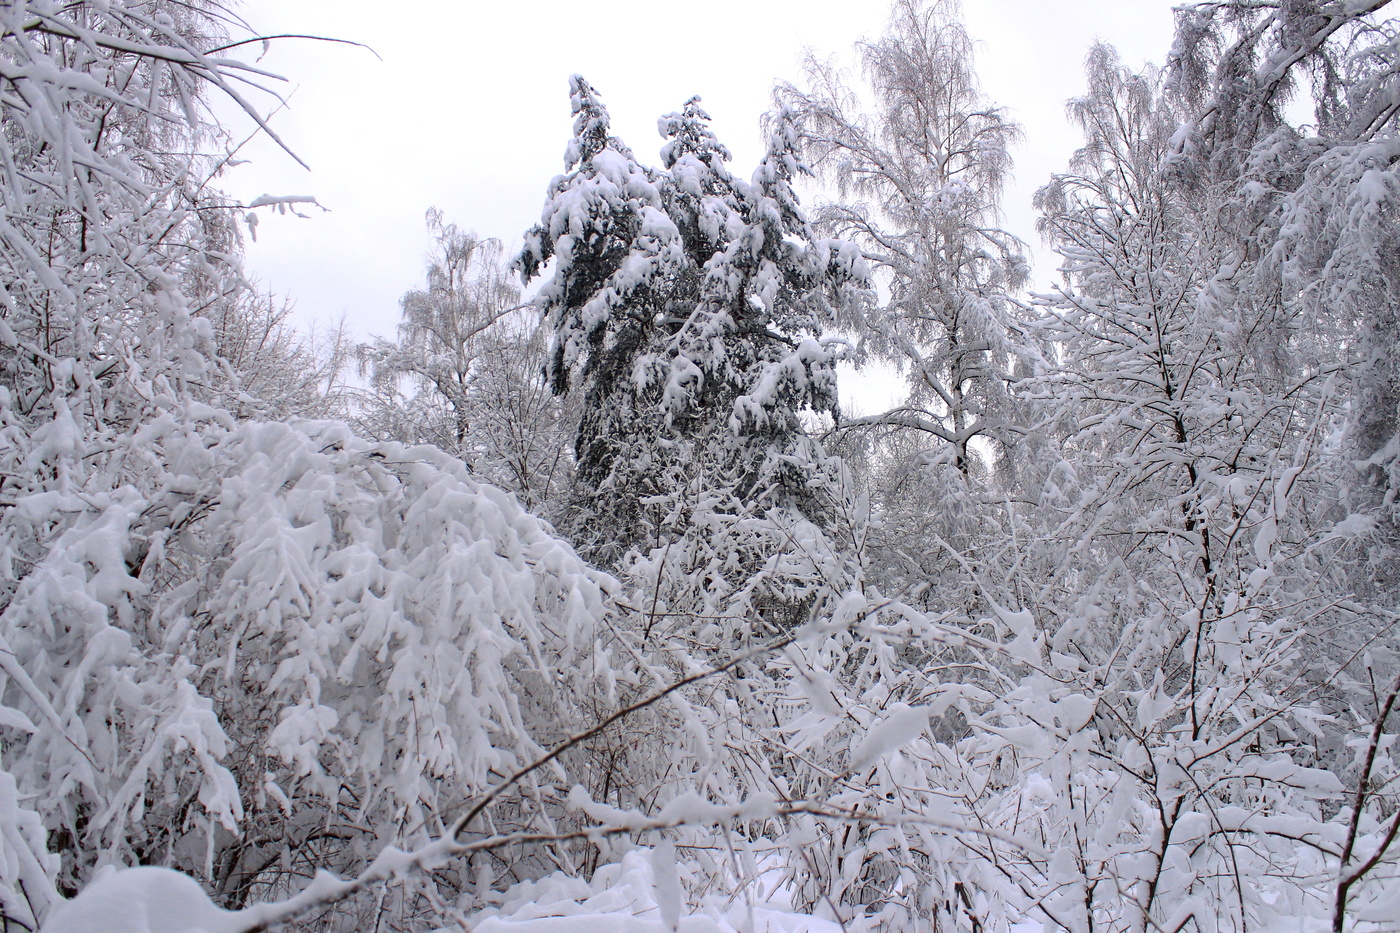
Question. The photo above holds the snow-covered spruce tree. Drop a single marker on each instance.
(764, 521)
(741, 529)
(618, 262)
(688, 310)
(756, 532)
(471, 361)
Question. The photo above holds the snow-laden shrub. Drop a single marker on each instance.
(286, 650)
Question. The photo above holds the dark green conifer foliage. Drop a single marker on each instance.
(687, 310)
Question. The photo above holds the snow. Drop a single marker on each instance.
(280, 202)
(640, 894)
(217, 631)
(142, 900)
(900, 725)
(628, 898)
(666, 885)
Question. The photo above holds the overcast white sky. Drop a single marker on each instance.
(466, 108)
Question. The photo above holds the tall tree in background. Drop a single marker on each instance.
(689, 307)
(440, 337)
(919, 159)
(471, 359)
(923, 165)
(272, 369)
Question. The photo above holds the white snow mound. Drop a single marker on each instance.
(142, 900)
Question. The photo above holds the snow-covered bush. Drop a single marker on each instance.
(248, 650)
(284, 651)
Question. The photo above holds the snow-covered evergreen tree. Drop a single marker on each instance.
(692, 307)
(617, 258)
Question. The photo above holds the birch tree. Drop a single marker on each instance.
(922, 165)
(464, 373)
